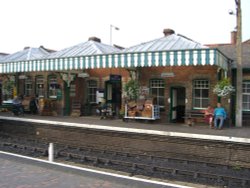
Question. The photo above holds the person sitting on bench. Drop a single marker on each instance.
(219, 114)
(209, 115)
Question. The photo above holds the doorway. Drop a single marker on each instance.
(113, 95)
(177, 104)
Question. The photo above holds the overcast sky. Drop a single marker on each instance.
(58, 24)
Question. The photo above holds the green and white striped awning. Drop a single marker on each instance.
(195, 57)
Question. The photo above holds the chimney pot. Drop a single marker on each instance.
(233, 37)
(95, 39)
(168, 32)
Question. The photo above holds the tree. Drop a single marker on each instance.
(239, 66)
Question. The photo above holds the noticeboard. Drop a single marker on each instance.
(115, 77)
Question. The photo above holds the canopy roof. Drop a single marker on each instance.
(26, 54)
(170, 42)
(171, 50)
(121, 60)
(87, 48)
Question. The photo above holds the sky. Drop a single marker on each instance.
(59, 24)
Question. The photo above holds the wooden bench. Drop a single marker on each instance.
(193, 116)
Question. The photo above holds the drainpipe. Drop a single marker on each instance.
(218, 79)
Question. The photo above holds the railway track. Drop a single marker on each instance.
(132, 163)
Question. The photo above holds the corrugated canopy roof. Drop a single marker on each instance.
(171, 50)
(83, 49)
(170, 42)
(2, 56)
(26, 54)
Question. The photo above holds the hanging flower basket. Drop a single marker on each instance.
(223, 88)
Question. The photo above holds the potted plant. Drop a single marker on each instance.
(223, 88)
(131, 89)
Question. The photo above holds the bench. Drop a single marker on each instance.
(193, 116)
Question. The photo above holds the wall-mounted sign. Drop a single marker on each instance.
(83, 75)
(115, 77)
(167, 74)
(99, 95)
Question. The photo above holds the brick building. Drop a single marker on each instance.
(229, 49)
(176, 71)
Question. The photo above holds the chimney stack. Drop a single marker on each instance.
(95, 39)
(233, 37)
(168, 32)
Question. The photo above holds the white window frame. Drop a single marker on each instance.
(40, 89)
(158, 84)
(246, 96)
(28, 86)
(52, 91)
(200, 84)
(92, 89)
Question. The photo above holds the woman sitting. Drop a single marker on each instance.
(209, 112)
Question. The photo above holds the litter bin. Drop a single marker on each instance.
(87, 109)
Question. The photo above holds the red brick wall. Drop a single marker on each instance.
(183, 77)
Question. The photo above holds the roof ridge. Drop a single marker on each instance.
(169, 42)
(95, 45)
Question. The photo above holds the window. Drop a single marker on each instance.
(53, 86)
(246, 96)
(157, 88)
(40, 86)
(200, 94)
(28, 87)
(92, 88)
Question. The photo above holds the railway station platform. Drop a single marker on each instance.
(200, 131)
(21, 171)
(199, 141)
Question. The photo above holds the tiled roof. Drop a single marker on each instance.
(26, 54)
(170, 42)
(230, 51)
(87, 48)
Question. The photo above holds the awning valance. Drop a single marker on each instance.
(121, 60)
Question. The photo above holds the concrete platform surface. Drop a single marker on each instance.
(24, 172)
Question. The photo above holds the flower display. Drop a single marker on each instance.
(223, 88)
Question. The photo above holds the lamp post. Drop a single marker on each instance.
(111, 28)
(238, 64)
